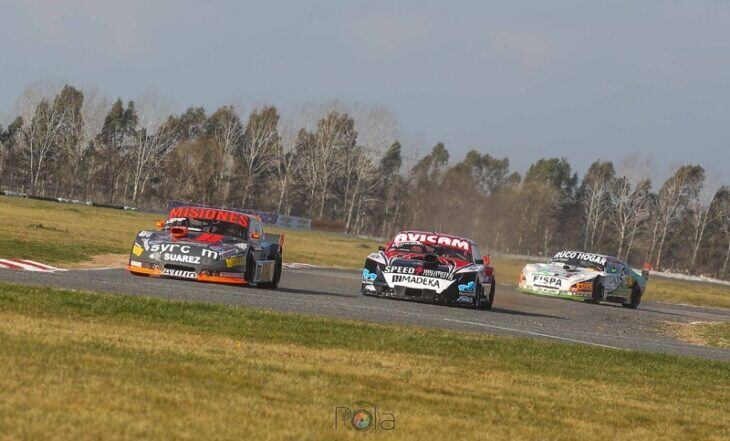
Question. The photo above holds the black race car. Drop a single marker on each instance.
(209, 245)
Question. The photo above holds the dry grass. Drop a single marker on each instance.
(80, 366)
(715, 334)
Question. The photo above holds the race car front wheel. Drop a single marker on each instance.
(597, 293)
(277, 275)
(481, 302)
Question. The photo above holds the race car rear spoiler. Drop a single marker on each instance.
(274, 238)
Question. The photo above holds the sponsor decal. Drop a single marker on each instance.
(137, 250)
(234, 261)
(546, 281)
(135, 263)
(425, 282)
(181, 258)
(469, 287)
(400, 269)
(169, 248)
(210, 254)
(368, 276)
(595, 258)
(438, 274)
(431, 239)
(145, 234)
(209, 214)
(179, 273)
(233, 275)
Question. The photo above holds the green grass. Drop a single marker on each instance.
(78, 365)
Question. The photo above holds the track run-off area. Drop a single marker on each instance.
(335, 293)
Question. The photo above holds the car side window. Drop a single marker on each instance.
(255, 230)
(477, 254)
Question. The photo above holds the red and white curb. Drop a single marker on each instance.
(295, 265)
(27, 265)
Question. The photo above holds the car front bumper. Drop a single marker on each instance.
(418, 295)
(198, 275)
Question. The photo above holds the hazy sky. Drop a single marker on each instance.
(582, 79)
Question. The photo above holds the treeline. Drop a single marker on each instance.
(344, 163)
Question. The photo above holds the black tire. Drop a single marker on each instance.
(635, 297)
(277, 274)
(597, 293)
(487, 305)
(250, 269)
(478, 297)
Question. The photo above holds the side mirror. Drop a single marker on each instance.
(255, 235)
(381, 248)
(160, 224)
(487, 260)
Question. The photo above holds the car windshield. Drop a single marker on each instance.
(420, 248)
(580, 260)
(209, 226)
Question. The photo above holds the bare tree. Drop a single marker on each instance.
(154, 140)
(703, 210)
(724, 208)
(257, 150)
(672, 200)
(43, 124)
(376, 128)
(335, 133)
(630, 201)
(596, 203)
(227, 131)
(287, 161)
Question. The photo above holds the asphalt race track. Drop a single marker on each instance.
(335, 293)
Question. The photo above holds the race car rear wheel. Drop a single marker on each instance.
(635, 297)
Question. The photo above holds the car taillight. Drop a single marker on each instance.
(522, 278)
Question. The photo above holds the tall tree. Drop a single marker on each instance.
(672, 201)
(594, 196)
(258, 148)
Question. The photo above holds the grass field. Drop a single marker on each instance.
(61, 234)
(79, 365)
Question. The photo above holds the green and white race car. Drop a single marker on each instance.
(587, 276)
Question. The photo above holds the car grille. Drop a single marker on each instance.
(179, 267)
